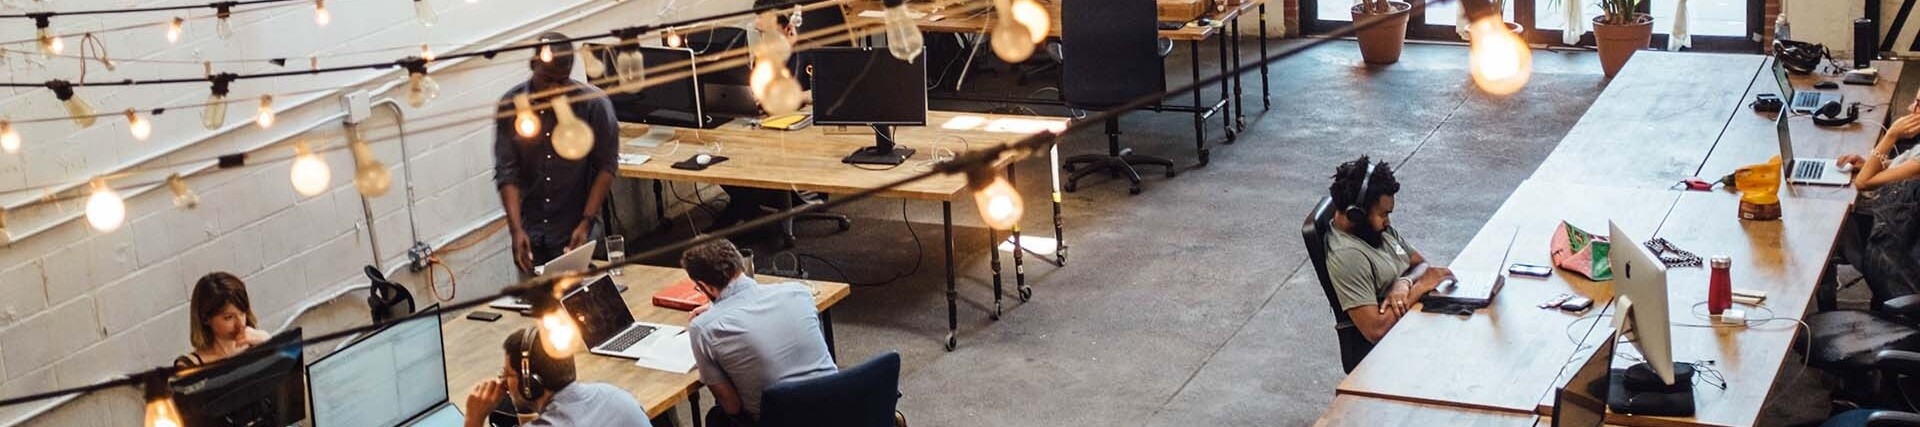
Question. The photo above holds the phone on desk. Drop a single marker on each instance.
(1530, 270)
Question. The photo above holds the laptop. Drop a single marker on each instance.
(1806, 171)
(577, 259)
(1803, 102)
(1452, 294)
(395, 377)
(1583, 401)
(607, 325)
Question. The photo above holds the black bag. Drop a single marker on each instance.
(1800, 57)
(387, 300)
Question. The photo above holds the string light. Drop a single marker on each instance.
(77, 108)
(214, 114)
(182, 196)
(627, 60)
(225, 27)
(546, 54)
(572, 138)
(775, 87)
(673, 39)
(903, 34)
(1499, 61)
(999, 203)
(423, 12)
(421, 88)
(9, 137)
(50, 44)
(556, 326)
(5, 236)
(140, 127)
(105, 210)
(160, 409)
(174, 28)
(524, 122)
(1018, 26)
(426, 52)
(310, 173)
(370, 176)
(265, 119)
(320, 15)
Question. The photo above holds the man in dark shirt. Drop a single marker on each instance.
(552, 203)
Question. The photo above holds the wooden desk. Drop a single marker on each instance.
(1349, 410)
(1751, 137)
(1657, 120)
(1505, 357)
(809, 160)
(474, 354)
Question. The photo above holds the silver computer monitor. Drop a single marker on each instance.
(394, 377)
(1640, 280)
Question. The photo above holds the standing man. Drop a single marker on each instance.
(751, 336)
(553, 203)
(1376, 275)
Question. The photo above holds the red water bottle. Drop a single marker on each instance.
(1720, 286)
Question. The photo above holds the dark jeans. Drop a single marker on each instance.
(719, 418)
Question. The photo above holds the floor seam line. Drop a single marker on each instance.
(1230, 337)
(1434, 131)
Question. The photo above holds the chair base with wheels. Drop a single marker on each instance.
(1117, 162)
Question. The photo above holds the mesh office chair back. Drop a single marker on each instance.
(1112, 52)
(1353, 345)
(860, 396)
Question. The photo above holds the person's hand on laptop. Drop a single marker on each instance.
(580, 235)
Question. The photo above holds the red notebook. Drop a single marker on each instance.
(681, 296)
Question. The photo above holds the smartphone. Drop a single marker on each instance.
(484, 316)
(1530, 270)
(1577, 304)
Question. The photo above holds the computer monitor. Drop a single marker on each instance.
(1582, 402)
(866, 86)
(1640, 280)
(248, 390)
(395, 376)
(664, 102)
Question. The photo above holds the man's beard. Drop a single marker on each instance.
(1365, 231)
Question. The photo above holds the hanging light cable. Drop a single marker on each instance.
(1499, 61)
(903, 34)
(77, 108)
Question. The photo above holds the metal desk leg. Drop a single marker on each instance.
(1019, 259)
(953, 316)
(993, 249)
(1239, 104)
(786, 226)
(693, 399)
(1059, 237)
(826, 328)
(1266, 94)
(660, 207)
(1226, 89)
(1199, 110)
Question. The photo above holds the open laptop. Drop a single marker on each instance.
(577, 259)
(1803, 102)
(1806, 171)
(607, 325)
(1451, 293)
(396, 377)
(1583, 401)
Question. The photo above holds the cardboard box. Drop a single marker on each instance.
(1184, 10)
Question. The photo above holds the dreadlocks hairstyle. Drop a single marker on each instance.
(1346, 191)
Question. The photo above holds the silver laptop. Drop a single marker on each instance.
(608, 327)
(577, 259)
(1806, 171)
(396, 377)
(1803, 102)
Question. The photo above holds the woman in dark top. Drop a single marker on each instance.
(221, 318)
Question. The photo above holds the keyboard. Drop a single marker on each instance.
(628, 338)
(1808, 170)
(1806, 101)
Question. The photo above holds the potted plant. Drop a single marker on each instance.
(1381, 43)
(1620, 30)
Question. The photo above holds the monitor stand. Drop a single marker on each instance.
(1637, 390)
(883, 152)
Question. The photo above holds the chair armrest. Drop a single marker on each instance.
(1904, 362)
(1908, 305)
(1893, 419)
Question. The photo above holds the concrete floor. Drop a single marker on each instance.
(1190, 304)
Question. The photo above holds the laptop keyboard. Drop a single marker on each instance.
(1806, 100)
(1808, 170)
(627, 339)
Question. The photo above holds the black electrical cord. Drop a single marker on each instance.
(919, 253)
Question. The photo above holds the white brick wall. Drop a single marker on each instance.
(78, 306)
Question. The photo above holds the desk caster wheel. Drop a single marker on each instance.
(952, 342)
(1068, 168)
(1026, 294)
(1171, 172)
(1231, 136)
(845, 224)
(1070, 187)
(789, 242)
(1133, 189)
(1206, 156)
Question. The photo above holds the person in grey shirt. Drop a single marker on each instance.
(1376, 275)
(751, 336)
(550, 397)
(552, 203)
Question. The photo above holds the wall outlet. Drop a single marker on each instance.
(417, 256)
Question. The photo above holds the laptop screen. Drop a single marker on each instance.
(1786, 139)
(385, 379)
(1583, 402)
(599, 309)
(1786, 86)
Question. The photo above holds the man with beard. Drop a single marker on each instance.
(1376, 275)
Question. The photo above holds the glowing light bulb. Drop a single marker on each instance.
(559, 333)
(673, 39)
(174, 28)
(775, 87)
(182, 196)
(630, 65)
(105, 210)
(310, 175)
(572, 138)
(140, 127)
(421, 89)
(370, 176)
(1018, 26)
(50, 44)
(160, 409)
(1499, 61)
(9, 137)
(595, 69)
(265, 119)
(999, 203)
(903, 34)
(546, 53)
(525, 123)
(1034, 17)
(426, 52)
(423, 11)
(77, 108)
(320, 15)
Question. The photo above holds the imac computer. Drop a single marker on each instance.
(247, 390)
(869, 87)
(394, 377)
(674, 102)
(1657, 386)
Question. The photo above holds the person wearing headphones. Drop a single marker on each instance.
(543, 390)
(1376, 275)
(751, 336)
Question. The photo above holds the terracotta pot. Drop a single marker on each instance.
(1381, 44)
(1619, 42)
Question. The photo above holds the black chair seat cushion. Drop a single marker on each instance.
(1847, 339)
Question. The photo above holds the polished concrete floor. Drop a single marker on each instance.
(1190, 304)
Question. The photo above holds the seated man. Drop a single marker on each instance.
(556, 400)
(1376, 275)
(751, 336)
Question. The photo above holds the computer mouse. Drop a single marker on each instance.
(1845, 168)
(703, 159)
(1826, 85)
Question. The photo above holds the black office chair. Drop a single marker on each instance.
(1116, 59)
(861, 396)
(1846, 343)
(1354, 346)
(714, 40)
(1894, 364)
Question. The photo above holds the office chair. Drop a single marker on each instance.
(1115, 59)
(1893, 364)
(861, 396)
(1354, 346)
(1057, 53)
(1847, 343)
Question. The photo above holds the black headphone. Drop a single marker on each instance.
(530, 386)
(1354, 211)
(1829, 114)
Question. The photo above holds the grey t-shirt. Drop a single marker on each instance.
(592, 404)
(1361, 273)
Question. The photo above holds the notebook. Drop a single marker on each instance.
(681, 296)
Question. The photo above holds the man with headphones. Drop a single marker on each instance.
(1376, 275)
(544, 393)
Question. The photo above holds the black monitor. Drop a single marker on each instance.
(668, 103)
(869, 87)
(260, 390)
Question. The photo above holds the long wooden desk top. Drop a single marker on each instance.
(953, 22)
(1751, 137)
(1348, 410)
(474, 354)
(1505, 357)
(809, 159)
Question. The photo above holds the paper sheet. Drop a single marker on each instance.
(674, 354)
(634, 159)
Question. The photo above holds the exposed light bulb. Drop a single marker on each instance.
(50, 44)
(77, 108)
(630, 65)
(320, 15)
(215, 113)
(225, 25)
(673, 39)
(999, 203)
(421, 89)
(546, 53)
(370, 175)
(423, 11)
(182, 196)
(596, 70)
(525, 123)
(160, 409)
(105, 210)
(775, 87)
(903, 34)
(1018, 26)
(265, 119)
(140, 127)
(572, 138)
(174, 28)
(1499, 61)
(310, 175)
(9, 137)
(559, 333)
(426, 52)
(1034, 17)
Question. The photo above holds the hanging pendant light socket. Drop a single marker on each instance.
(77, 109)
